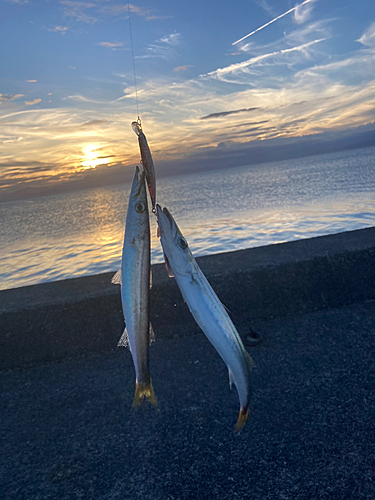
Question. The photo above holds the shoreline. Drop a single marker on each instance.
(67, 319)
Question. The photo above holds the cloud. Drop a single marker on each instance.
(173, 39)
(111, 45)
(298, 36)
(31, 103)
(32, 81)
(264, 5)
(77, 11)
(184, 67)
(59, 29)
(118, 9)
(9, 97)
(301, 14)
(244, 65)
(162, 48)
(226, 113)
(94, 123)
(368, 37)
(82, 98)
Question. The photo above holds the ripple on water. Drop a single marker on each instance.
(81, 233)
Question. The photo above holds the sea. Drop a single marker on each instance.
(81, 233)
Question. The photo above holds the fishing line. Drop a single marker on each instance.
(135, 76)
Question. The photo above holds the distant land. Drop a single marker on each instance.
(225, 155)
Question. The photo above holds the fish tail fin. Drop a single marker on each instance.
(242, 417)
(144, 390)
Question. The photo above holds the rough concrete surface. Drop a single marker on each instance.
(68, 431)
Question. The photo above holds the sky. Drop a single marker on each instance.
(210, 77)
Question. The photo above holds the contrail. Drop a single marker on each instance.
(273, 20)
(234, 67)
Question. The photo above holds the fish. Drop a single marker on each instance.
(146, 161)
(134, 277)
(206, 308)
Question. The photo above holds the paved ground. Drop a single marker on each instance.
(68, 431)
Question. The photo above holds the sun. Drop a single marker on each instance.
(91, 156)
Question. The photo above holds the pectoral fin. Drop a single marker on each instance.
(250, 360)
(169, 269)
(124, 340)
(117, 278)
(151, 334)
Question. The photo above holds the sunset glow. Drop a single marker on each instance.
(92, 157)
(302, 70)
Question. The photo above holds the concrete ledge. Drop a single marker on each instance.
(67, 319)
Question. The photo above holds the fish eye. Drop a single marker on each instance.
(182, 243)
(140, 207)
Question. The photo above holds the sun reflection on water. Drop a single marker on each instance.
(81, 233)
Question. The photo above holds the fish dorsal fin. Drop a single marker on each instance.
(151, 334)
(230, 378)
(124, 340)
(250, 360)
(169, 269)
(117, 278)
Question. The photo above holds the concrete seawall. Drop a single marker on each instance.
(67, 319)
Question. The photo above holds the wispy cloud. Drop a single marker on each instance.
(9, 97)
(303, 11)
(368, 37)
(173, 39)
(84, 99)
(77, 10)
(184, 67)
(118, 9)
(164, 48)
(291, 86)
(32, 103)
(244, 65)
(94, 123)
(59, 29)
(302, 15)
(222, 114)
(265, 6)
(111, 45)
(298, 36)
(91, 12)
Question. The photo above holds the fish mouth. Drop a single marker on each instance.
(168, 215)
(138, 182)
(135, 182)
(165, 212)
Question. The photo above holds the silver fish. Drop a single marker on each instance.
(134, 277)
(206, 308)
(147, 162)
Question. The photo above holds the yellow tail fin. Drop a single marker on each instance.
(144, 391)
(242, 417)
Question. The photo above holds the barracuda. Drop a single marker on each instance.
(134, 277)
(147, 162)
(206, 308)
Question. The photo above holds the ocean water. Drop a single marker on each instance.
(81, 233)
